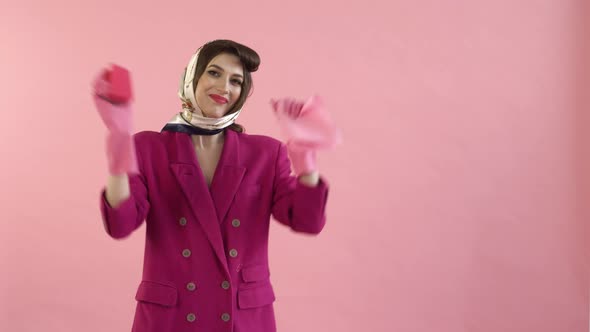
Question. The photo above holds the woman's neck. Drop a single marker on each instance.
(204, 142)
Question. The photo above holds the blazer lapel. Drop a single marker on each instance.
(228, 175)
(184, 166)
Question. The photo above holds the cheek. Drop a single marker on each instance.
(235, 95)
(204, 84)
(199, 92)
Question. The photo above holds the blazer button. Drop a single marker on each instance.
(186, 253)
(235, 223)
(191, 286)
(233, 253)
(191, 317)
(182, 221)
(225, 317)
(225, 284)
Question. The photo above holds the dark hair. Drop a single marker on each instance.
(250, 62)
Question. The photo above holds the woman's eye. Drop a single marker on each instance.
(237, 82)
(213, 73)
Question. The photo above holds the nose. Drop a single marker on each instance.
(223, 85)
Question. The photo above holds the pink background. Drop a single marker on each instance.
(459, 198)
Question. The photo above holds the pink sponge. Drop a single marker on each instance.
(119, 80)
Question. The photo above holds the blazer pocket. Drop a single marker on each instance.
(157, 293)
(256, 297)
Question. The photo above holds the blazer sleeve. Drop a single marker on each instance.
(121, 221)
(294, 204)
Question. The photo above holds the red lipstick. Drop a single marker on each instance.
(218, 99)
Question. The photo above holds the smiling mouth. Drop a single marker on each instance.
(218, 99)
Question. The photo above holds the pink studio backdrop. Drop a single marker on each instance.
(583, 130)
(457, 198)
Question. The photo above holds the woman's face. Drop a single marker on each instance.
(220, 85)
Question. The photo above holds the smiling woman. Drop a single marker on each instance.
(207, 191)
(219, 88)
(222, 72)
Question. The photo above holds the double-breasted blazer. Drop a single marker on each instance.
(206, 249)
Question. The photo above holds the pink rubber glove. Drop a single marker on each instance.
(307, 127)
(118, 118)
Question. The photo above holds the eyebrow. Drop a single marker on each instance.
(216, 66)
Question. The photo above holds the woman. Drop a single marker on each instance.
(207, 191)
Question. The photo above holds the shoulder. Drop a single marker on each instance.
(150, 141)
(259, 147)
(147, 137)
(259, 140)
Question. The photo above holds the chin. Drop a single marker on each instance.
(218, 115)
(222, 113)
(214, 114)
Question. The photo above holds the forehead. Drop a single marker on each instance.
(228, 62)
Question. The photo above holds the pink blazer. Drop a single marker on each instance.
(206, 251)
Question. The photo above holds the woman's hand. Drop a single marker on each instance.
(112, 98)
(307, 128)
